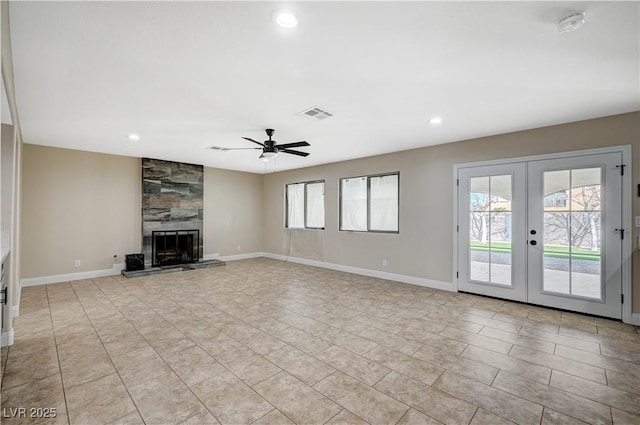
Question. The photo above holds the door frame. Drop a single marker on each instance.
(627, 198)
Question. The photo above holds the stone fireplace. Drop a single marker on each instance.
(172, 212)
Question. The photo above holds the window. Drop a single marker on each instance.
(305, 205)
(370, 203)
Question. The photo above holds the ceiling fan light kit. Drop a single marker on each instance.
(266, 156)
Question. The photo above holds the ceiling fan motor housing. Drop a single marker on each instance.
(269, 146)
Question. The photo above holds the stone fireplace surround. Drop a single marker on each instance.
(172, 200)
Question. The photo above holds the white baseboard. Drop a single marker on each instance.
(233, 257)
(6, 339)
(117, 268)
(635, 319)
(44, 280)
(429, 283)
(435, 284)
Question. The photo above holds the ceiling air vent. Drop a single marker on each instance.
(317, 112)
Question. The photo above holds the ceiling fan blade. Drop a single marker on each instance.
(222, 148)
(251, 140)
(294, 152)
(292, 145)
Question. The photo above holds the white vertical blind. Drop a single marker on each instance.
(354, 204)
(295, 206)
(315, 205)
(384, 203)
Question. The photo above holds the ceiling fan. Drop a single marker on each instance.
(269, 147)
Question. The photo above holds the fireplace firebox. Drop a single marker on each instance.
(172, 247)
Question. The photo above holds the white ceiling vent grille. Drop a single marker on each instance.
(317, 112)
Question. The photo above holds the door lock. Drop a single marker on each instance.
(533, 243)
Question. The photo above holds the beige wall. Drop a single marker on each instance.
(424, 246)
(232, 212)
(78, 206)
(87, 206)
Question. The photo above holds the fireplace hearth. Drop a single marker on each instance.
(175, 247)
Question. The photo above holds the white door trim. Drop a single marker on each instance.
(627, 247)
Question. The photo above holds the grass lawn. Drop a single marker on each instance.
(554, 251)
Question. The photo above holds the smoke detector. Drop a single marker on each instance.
(571, 22)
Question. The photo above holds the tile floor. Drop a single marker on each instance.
(268, 342)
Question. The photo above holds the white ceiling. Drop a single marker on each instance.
(187, 75)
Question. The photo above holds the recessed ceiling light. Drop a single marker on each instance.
(435, 120)
(286, 19)
(134, 137)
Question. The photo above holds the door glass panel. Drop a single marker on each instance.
(571, 234)
(501, 247)
(490, 229)
(556, 240)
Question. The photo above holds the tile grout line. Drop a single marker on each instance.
(345, 408)
(64, 392)
(557, 389)
(474, 414)
(334, 416)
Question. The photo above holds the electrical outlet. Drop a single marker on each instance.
(638, 221)
(77, 263)
(384, 262)
(238, 248)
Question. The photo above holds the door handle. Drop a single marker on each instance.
(533, 243)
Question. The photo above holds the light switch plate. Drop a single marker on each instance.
(638, 221)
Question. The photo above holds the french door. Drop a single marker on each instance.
(492, 218)
(545, 232)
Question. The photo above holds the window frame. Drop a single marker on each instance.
(369, 230)
(286, 205)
